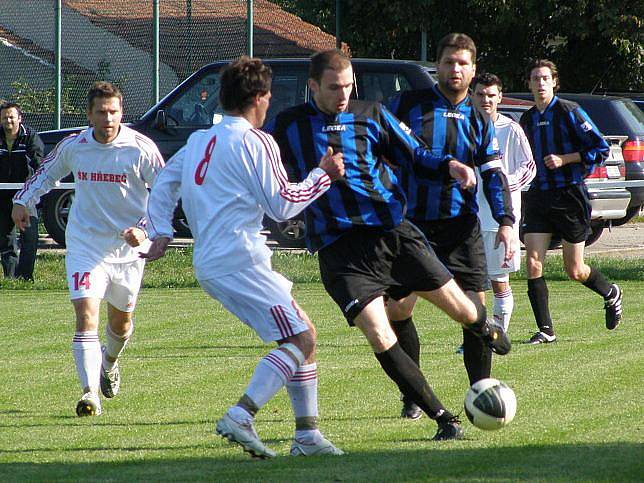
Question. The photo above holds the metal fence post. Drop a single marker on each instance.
(58, 95)
(338, 15)
(155, 53)
(423, 45)
(249, 27)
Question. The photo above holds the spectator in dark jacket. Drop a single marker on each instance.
(21, 151)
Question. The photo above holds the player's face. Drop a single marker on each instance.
(486, 99)
(263, 103)
(10, 120)
(542, 84)
(455, 70)
(332, 93)
(105, 116)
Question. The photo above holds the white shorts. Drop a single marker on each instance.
(497, 267)
(261, 299)
(118, 283)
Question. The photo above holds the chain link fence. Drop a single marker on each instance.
(114, 40)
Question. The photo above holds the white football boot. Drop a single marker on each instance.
(321, 447)
(89, 405)
(243, 433)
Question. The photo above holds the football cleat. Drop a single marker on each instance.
(89, 405)
(493, 335)
(319, 448)
(449, 430)
(411, 411)
(244, 434)
(541, 338)
(613, 308)
(110, 381)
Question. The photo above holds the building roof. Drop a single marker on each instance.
(214, 29)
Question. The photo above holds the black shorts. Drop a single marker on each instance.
(564, 212)
(458, 244)
(367, 263)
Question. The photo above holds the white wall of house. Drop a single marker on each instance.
(83, 43)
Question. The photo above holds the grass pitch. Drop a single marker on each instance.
(579, 416)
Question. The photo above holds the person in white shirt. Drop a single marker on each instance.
(113, 166)
(228, 177)
(520, 169)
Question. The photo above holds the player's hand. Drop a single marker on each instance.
(133, 236)
(506, 236)
(20, 217)
(553, 161)
(462, 173)
(157, 249)
(333, 164)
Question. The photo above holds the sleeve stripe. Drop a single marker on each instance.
(273, 157)
(52, 157)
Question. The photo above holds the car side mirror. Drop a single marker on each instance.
(161, 120)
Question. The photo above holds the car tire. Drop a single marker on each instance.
(596, 230)
(55, 212)
(287, 234)
(631, 213)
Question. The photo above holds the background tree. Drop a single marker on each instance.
(597, 44)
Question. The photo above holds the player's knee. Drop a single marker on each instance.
(533, 267)
(305, 341)
(576, 273)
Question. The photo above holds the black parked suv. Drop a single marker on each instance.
(194, 104)
(616, 117)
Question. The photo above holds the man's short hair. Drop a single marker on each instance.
(8, 105)
(456, 41)
(333, 59)
(103, 90)
(487, 79)
(535, 64)
(241, 81)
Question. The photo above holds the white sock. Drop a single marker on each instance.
(114, 345)
(503, 306)
(272, 373)
(303, 392)
(87, 355)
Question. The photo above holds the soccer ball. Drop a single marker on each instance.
(490, 404)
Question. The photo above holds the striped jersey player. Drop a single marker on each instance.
(228, 177)
(113, 166)
(520, 169)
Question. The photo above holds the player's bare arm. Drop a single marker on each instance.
(333, 164)
(20, 216)
(157, 249)
(133, 236)
(554, 161)
(506, 236)
(462, 173)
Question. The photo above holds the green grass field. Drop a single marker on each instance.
(580, 415)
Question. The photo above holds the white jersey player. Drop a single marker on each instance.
(113, 166)
(519, 169)
(228, 177)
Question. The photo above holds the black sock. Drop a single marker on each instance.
(538, 295)
(598, 284)
(477, 357)
(407, 376)
(407, 336)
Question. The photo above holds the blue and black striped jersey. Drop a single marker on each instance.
(371, 139)
(563, 128)
(462, 133)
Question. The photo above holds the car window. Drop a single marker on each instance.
(198, 105)
(380, 86)
(614, 117)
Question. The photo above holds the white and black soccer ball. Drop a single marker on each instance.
(490, 404)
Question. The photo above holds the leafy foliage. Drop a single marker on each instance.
(597, 45)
